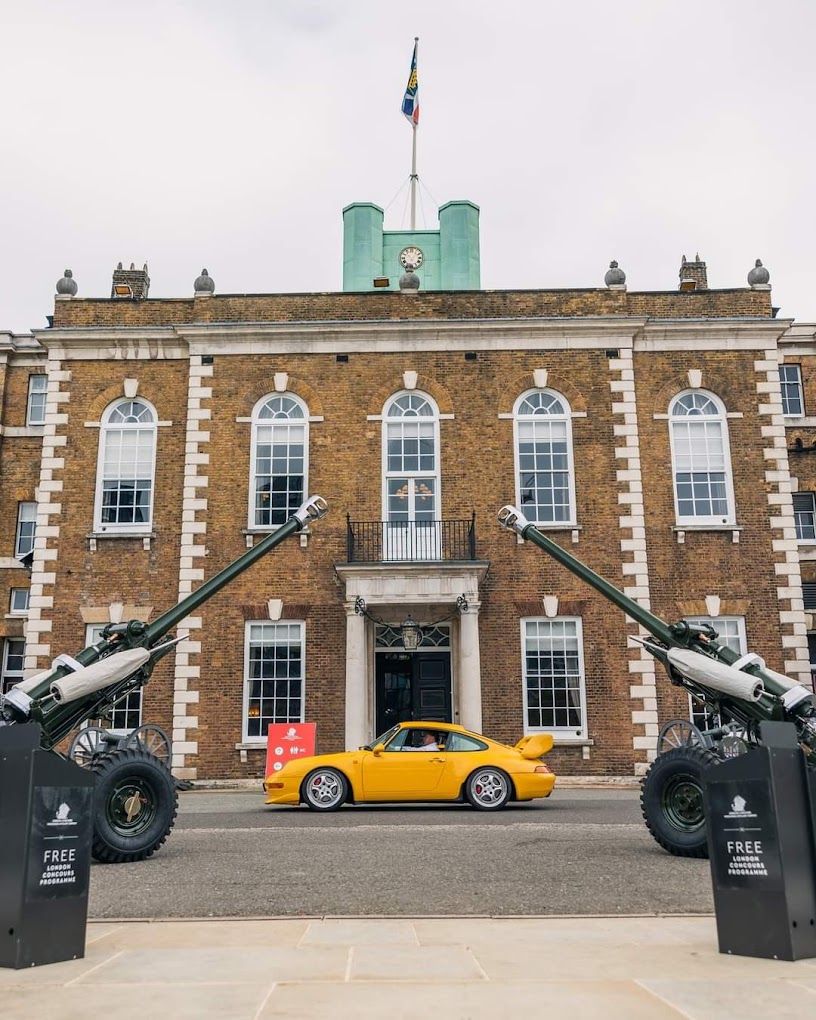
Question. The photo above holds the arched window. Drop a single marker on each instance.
(411, 476)
(126, 467)
(545, 486)
(703, 492)
(280, 444)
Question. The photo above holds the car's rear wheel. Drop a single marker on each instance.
(325, 790)
(488, 789)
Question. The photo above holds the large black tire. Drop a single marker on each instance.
(135, 805)
(671, 798)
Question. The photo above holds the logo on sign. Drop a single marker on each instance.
(61, 818)
(291, 734)
(738, 809)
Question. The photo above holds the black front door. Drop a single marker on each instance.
(412, 686)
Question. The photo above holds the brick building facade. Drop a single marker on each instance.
(151, 441)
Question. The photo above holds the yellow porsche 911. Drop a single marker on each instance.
(419, 761)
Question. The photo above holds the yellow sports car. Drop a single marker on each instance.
(449, 763)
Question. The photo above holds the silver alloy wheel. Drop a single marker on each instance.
(489, 788)
(325, 789)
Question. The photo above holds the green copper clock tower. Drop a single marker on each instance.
(443, 259)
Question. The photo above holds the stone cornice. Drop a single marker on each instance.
(382, 336)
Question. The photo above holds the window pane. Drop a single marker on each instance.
(37, 385)
(700, 458)
(26, 526)
(790, 379)
(274, 676)
(804, 516)
(552, 675)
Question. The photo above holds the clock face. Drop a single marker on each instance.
(413, 256)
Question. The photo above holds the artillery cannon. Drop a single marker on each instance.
(740, 689)
(136, 798)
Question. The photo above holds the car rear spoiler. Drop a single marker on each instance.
(535, 746)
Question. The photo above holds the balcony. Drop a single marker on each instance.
(410, 541)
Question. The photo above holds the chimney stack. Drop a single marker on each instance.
(130, 283)
(693, 275)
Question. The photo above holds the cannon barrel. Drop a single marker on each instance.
(59, 709)
(776, 698)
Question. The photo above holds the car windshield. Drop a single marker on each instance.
(382, 739)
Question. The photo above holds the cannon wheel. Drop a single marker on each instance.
(153, 739)
(88, 744)
(671, 799)
(135, 804)
(679, 733)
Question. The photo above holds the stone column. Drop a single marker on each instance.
(356, 677)
(470, 670)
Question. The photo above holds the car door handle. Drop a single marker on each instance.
(438, 759)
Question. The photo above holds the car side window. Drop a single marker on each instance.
(398, 741)
(462, 742)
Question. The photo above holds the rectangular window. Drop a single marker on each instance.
(790, 378)
(731, 633)
(37, 385)
(18, 603)
(809, 595)
(279, 473)
(554, 697)
(126, 714)
(273, 676)
(804, 516)
(544, 471)
(700, 472)
(26, 524)
(12, 665)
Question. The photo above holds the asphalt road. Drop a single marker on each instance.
(581, 852)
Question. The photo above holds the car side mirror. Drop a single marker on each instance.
(378, 749)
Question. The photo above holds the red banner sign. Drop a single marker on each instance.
(287, 742)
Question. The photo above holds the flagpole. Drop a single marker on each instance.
(413, 153)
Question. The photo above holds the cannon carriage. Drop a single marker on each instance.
(136, 795)
(738, 691)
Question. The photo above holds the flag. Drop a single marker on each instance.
(410, 101)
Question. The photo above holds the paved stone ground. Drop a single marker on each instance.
(632, 968)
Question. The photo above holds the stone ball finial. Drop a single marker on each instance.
(615, 276)
(67, 286)
(409, 280)
(759, 275)
(204, 284)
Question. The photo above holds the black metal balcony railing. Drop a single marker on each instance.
(411, 541)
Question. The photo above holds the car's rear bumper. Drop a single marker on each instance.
(530, 785)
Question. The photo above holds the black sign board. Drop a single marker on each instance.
(46, 807)
(761, 848)
(743, 841)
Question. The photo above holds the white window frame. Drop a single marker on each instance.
(258, 422)
(124, 527)
(703, 520)
(19, 595)
(411, 540)
(566, 418)
(564, 734)
(261, 740)
(26, 514)
(37, 384)
(797, 382)
(93, 632)
(799, 513)
(9, 679)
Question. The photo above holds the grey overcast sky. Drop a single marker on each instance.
(190, 133)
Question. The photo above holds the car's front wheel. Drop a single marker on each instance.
(325, 790)
(488, 789)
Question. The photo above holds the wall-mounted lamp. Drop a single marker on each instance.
(410, 631)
